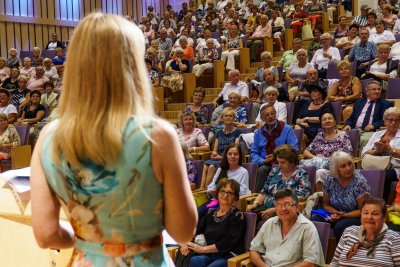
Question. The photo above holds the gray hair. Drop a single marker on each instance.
(326, 35)
(266, 54)
(338, 158)
(27, 58)
(271, 89)
(210, 40)
(178, 50)
(233, 71)
(301, 50)
(234, 93)
(391, 111)
(374, 82)
(36, 48)
(182, 38)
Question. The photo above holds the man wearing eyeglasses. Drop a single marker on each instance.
(288, 239)
(367, 115)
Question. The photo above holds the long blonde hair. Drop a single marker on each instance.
(105, 83)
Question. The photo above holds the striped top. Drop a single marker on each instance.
(387, 252)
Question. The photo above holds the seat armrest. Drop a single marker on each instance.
(237, 261)
(20, 156)
(172, 251)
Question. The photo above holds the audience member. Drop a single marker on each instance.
(198, 108)
(347, 90)
(36, 82)
(370, 244)
(363, 53)
(271, 135)
(325, 54)
(256, 40)
(387, 143)
(13, 61)
(54, 43)
(367, 115)
(6, 107)
(287, 175)
(37, 60)
(345, 190)
(298, 241)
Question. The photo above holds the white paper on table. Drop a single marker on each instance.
(167, 239)
(18, 179)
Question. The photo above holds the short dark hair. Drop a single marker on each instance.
(48, 83)
(318, 29)
(4, 91)
(148, 61)
(36, 92)
(287, 152)
(354, 26)
(376, 201)
(372, 14)
(286, 193)
(232, 183)
(327, 112)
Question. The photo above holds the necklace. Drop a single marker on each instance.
(223, 217)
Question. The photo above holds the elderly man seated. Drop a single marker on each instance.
(235, 85)
(367, 115)
(271, 135)
(256, 40)
(289, 239)
(36, 82)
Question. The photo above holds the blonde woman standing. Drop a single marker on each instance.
(102, 160)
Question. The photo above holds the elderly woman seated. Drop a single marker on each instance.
(20, 97)
(188, 52)
(327, 141)
(174, 81)
(310, 113)
(255, 82)
(4, 70)
(50, 71)
(8, 137)
(370, 244)
(206, 57)
(233, 43)
(197, 107)
(347, 89)
(297, 72)
(345, 190)
(269, 79)
(188, 133)
(223, 138)
(385, 144)
(382, 68)
(27, 70)
(347, 42)
(49, 98)
(152, 74)
(324, 55)
(220, 233)
(286, 175)
(382, 36)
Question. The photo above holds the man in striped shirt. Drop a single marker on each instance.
(361, 20)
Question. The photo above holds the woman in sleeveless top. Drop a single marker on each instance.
(347, 89)
(101, 160)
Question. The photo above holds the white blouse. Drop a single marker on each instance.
(322, 61)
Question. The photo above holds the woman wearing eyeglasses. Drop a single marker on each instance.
(220, 233)
(287, 175)
(387, 143)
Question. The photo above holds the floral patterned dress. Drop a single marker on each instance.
(298, 182)
(116, 213)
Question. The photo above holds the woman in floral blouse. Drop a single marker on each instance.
(188, 133)
(8, 137)
(287, 175)
(200, 110)
(345, 189)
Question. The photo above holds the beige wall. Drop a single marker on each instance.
(25, 24)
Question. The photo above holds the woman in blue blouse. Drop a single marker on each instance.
(345, 189)
(287, 175)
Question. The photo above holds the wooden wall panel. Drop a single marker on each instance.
(25, 24)
(3, 37)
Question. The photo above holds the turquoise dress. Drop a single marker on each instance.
(116, 213)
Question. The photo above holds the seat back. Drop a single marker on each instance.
(354, 136)
(299, 134)
(323, 229)
(312, 171)
(23, 131)
(210, 108)
(24, 54)
(337, 110)
(251, 219)
(290, 110)
(376, 180)
(199, 164)
(49, 54)
(205, 130)
(353, 68)
(280, 72)
(393, 90)
(397, 36)
(252, 169)
(333, 72)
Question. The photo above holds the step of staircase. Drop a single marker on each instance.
(212, 91)
(175, 106)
